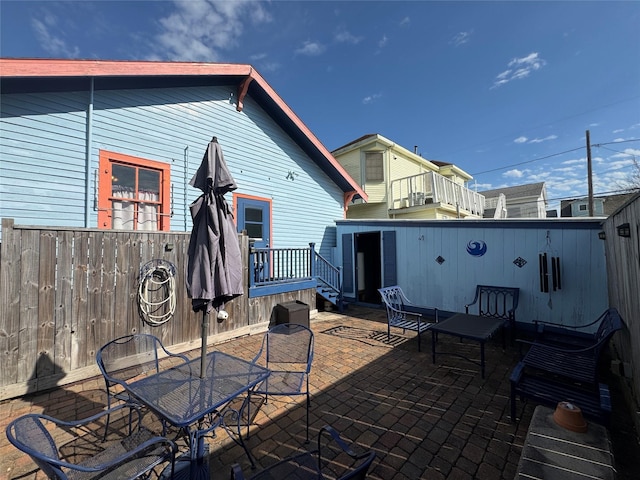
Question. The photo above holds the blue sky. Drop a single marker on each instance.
(500, 89)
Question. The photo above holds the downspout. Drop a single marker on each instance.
(87, 161)
(387, 179)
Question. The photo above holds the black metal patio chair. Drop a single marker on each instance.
(129, 357)
(332, 458)
(78, 449)
(287, 351)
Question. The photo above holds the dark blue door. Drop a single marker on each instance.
(254, 216)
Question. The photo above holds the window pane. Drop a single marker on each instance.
(253, 214)
(254, 230)
(373, 166)
(123, 181)
(148, 182)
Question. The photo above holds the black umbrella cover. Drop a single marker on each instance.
(214, 269)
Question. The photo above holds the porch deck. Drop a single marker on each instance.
(423, 420)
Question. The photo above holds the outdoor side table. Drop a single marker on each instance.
(551, 451)
(466, 326)
(183, 398)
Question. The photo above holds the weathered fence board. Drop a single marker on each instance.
(65, 292)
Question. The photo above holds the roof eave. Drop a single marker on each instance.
(251, 79)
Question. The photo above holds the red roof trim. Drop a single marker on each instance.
(12, 67)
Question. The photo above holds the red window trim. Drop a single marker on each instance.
(104, 186)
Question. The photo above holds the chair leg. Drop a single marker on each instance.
(308, 406)
(248, 400)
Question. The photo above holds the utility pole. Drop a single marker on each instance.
(589, 175)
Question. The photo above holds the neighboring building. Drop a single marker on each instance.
(522, 201)
(401, 184)
(113, 145)
(603, 206)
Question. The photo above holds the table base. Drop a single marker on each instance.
(186, 469)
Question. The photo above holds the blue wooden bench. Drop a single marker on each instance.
(496, 302)
(552, 372)
(401, 313)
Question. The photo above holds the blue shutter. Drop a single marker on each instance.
(389, 268)
(347, 263)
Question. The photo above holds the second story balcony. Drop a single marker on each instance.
(432, 190)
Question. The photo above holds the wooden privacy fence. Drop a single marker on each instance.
(65, 292)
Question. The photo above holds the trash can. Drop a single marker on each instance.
(292, 312)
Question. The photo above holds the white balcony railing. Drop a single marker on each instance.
(432, 188)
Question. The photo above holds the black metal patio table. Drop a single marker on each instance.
(185, 399)
(466, 326)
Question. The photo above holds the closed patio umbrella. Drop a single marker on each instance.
(214, 269)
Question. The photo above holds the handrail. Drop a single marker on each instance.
(274, 266)
(326, 272)
(433, 188)
(279, 265)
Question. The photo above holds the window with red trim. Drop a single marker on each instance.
(133, 193)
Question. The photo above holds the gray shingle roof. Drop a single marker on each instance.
(529, 190)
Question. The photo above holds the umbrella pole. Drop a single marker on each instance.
(203, 347)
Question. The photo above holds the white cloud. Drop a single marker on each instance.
(539, 177)
(523, 139)
(52, 43)
(405, 22)
(383, 41)
(545, 139)
(515, 173)
(619, 130)
(310, 49)
(519, 68)
(575, 161)
(343, 36)
(371, 98)
(461, 38)
(618, 139)
(200, 30)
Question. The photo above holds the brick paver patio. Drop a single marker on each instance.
(423, 420)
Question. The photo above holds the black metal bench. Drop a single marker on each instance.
(554, 373)
(401, 313)
(496, 302)
(576, 361)
(594, 403)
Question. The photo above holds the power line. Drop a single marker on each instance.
(600, 145)
(597, 194)
(613, 143)
(538, 127)
(528, 161)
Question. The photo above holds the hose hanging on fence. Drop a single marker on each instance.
(157, 292)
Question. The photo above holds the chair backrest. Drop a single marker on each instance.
(359, 472)
(496, 302)
(29, 435)
(610, 324)
(357, 465)
(290, 344)
(130, 356)
(394, 298)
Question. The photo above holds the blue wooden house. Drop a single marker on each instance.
(113, 145)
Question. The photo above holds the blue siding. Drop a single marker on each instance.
(43, 142)
(42, 158)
